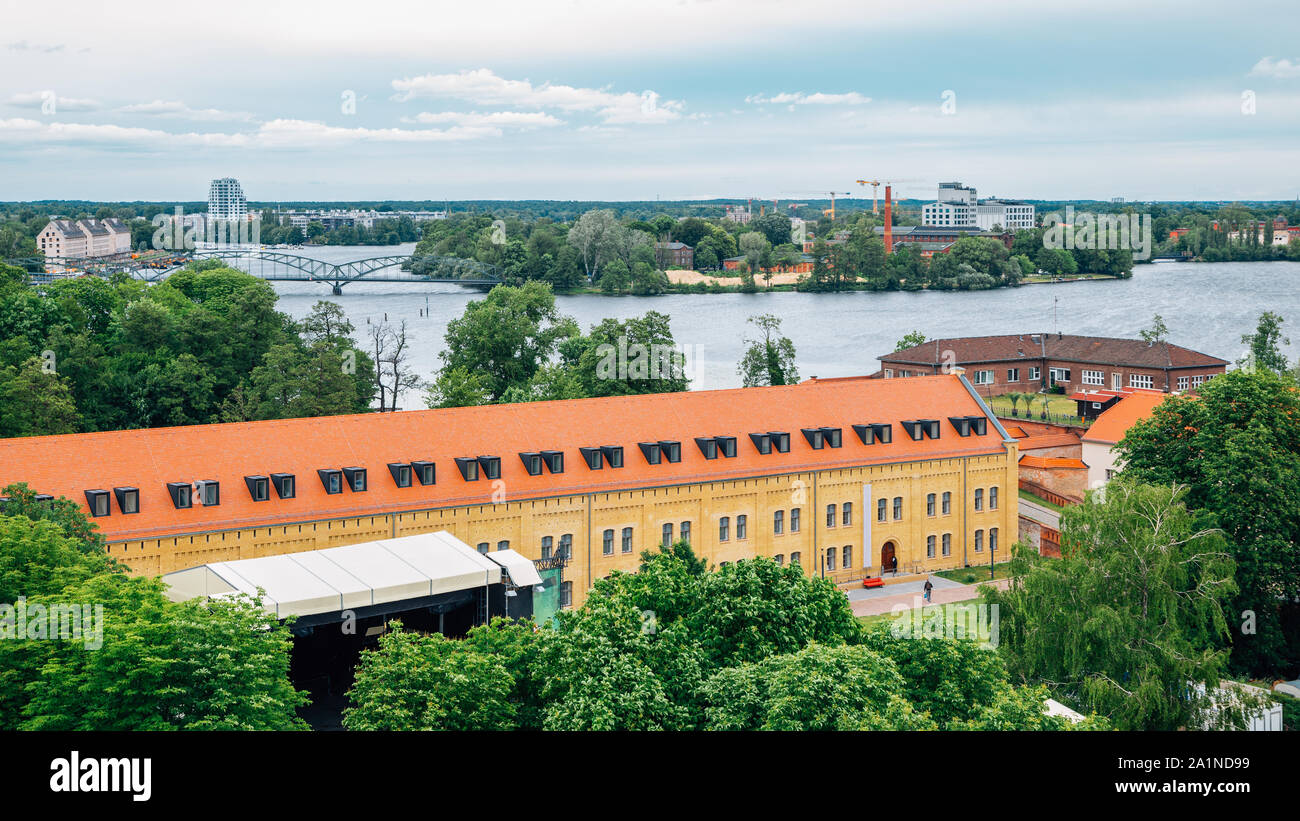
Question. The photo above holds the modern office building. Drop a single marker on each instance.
(957, 206)
(843, 477)
(226, 201)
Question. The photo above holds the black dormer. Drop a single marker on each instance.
(613, 455)
(356, 479)
(980, 425)
(816, 438)
(259, 488)
(672, 450)
(884, 432)
(128, 499)
(209, 492)
(651, 451)
(914, 429)
(285, 485)
(866, 433)
(931, 427)
(726, 446)
(426, 473)
(468, 467)
(181, 495)
(401, 473)
(554, 460)
(331, 479)
(99, 503)
(762, 442)
(491, 466)
(593, 457)
(962, 424)
(833, 437)
(780, 440)
(532, 463)
(708, 446)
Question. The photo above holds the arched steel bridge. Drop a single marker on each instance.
(153, 266)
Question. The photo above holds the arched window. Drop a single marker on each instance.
(742, 527)
(882, 510)
(929, 504)
(947, 544)
(846, 513)
(831, 555)
(779, 559)
(547, 542)
(607, 546)
(566, 546)
(685, 530)
(778, 522)
(898, 508)
(503, 545)
(668, 534)
(796, 559)
(830, 515)
(847, 552)
(724, 528)
(794, 520)
(484, 547)
(993, 498)
(979, 541)
(929, 547)
(627, 540)
(979, 498)
(947, 503)
(993, 538)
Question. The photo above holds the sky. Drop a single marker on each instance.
(684, 99)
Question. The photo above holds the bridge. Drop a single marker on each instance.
(271, 265)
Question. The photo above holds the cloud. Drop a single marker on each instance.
(303, 133)
(38, 99)
(504, 119)
(484, 87)
(179, 110)
(1283, 69)
(816, 98)
(23, 45)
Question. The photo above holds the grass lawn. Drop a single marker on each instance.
(1038, 500)
(1057, 405)
(868, 621)
(980, 572)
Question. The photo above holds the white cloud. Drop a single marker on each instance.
(23, 45)
(483, 87)
(504, 119)
(37, 99)
(303, 133)
(816, 98)
(179, 110)
(1282, 69)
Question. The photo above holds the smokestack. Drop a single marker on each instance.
(889, 221)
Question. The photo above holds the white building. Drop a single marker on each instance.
(958, 206)
(226, 201)
(1010, 215)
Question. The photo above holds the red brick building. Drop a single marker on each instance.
(674, 255)
(1032, 362)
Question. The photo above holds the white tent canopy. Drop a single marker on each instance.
(521, 569)
(342, 578)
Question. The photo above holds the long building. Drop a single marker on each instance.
(843, 477)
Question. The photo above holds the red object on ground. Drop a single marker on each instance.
(876, 582)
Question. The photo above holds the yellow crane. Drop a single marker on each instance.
(875, 189)
(833, 194)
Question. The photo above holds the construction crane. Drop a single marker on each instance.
(875, 189)
(833, 194)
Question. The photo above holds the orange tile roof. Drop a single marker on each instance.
(1016, 432)
(69, 465)
(1115, 421)
(1047, 440)
(1051, 462)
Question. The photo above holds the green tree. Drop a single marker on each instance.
(769, 360)
(911, 340)
(35, 403)
(1158, 332)
(1266, 344)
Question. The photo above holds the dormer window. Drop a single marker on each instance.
(331, 480)
(671, 450)
(554, 460)
(594, 458)
(128, 499)
(532, 463)
(97, 501)
(652, 451)
(780, 441)
(209, 492)
(962, 424)
(913, 429)
(918, 429)
(708, 446)
(490, 466)
(613, 455)
(401, 472)
(468, 467)
(356, 479)
(884, 432)
(726, 446)
(762, 442)
(425, 473)
(259, 487)
(180, 493)
(284, 485)
(832, 437)
(816, 438)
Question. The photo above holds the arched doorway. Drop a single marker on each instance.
(888, 558)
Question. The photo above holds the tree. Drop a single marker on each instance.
(1158, 331)
(393, 374)
(771, 359)
(775, 227)
(1237, 449)
(911, 340)
(620, 357)
(596, 236)
(1265, 344)
(754, 246)
(457, 388)
(35, 403)
(1130, 620)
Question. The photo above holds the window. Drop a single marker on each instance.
(898, 508)
(593, 457)
(504, 544)
(979, 498)
(686, 532)
(983, 377)
(607, 549)
(491, 466)
(356, 478)
(284, 484)
(668, 534)
(1137, 380)
(566, 594)
(627, 540)
(468, 468)
(1035, 374)
(846, 513)
(831, 554)
(1059, 374)
(566, 546)
(993, 498)
(1013, 374)
(882, 508)
(210, 492)
(180, 493)
(778, 522)
(742, 527)
(794, 520)
(779, 559)
(847, 552)
(724, 528)
(947, 503)
(889, 373)
(548, 543)
(979, 541)
(259, 488)
(796, 559)
(1182, 383)
(401, 474)
(929, 504)
(993, 539)
(830, 515)
(128, 499)
(483, 547)
(425, 472)
(97, 501)
(1094, 378)
(929, 547)
(1197, 381)
(1116, 380)
(947, 544)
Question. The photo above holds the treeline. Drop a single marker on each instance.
(206, 345)
(385, 231)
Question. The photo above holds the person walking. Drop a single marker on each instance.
(928, 588)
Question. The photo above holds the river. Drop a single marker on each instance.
(1207, 307)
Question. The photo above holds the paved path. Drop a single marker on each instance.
(860, 593)
(911, 597)
(1039, 513)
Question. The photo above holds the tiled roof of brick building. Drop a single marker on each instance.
(1115, 421)
(1063, 347)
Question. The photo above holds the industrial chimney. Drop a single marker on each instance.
(889, 221)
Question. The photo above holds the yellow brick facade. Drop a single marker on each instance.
(587, 517)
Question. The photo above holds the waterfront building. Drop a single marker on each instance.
(957, 206)
(226, 201)
(846, 478)
(77, 239)
(674, 255)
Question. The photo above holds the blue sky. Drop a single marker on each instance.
(605, 100)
